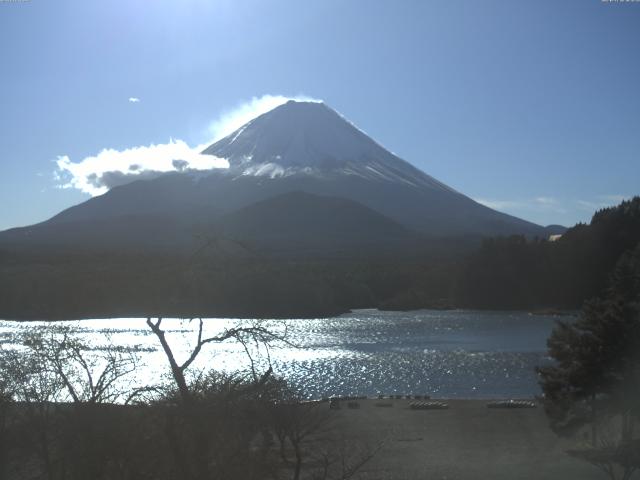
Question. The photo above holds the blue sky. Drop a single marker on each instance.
(532, 107)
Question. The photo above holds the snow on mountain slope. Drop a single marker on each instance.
(309, 138)
(296, 147)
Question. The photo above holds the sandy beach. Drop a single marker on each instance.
(465, 441)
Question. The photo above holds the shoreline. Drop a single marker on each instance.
(411, 398)
(334, 314)
(466, 441)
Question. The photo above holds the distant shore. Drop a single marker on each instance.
(555, 312)
(293, 316)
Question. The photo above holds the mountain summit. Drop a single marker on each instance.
(304, 148)
(310, 138)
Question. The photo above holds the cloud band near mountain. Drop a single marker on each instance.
(110, 168)
(97, 174)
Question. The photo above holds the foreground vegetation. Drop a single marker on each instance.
(592, 391)
(70, 412)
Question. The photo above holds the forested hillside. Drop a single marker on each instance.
(497, 273)
(515, 273)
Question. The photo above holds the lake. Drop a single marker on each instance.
(448, 354)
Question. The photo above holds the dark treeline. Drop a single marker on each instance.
(515, 272)
(497, 273)
(84, 285)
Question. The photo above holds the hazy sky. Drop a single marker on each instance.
(532, 107)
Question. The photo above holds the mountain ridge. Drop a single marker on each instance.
(280, 225)
(296, 147)
(311, 138)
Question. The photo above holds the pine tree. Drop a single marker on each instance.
(596, 377)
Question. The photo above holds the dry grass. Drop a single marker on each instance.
(466, 441)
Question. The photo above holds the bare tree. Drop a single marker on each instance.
(197, 429)
(89, 375)
(8, 384)
(618, 462)
(66, 391)
(312, 445)
(295, 425)
(218, 417)
(242, 334)
(343, 459)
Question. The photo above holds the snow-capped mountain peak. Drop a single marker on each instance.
(297, 149)
(310, 138)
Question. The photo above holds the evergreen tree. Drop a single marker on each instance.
(596, 377)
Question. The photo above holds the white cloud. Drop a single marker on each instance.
(536, 204)
(97, 174)
(546, 205)
(546, 201)
(499, 204)
(601, 201)
(613, 199)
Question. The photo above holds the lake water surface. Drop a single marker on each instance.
(449, 354)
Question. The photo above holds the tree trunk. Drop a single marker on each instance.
(176, 370)
(594, 420)
(298, 466)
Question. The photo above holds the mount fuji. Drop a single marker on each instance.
(300, 178)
